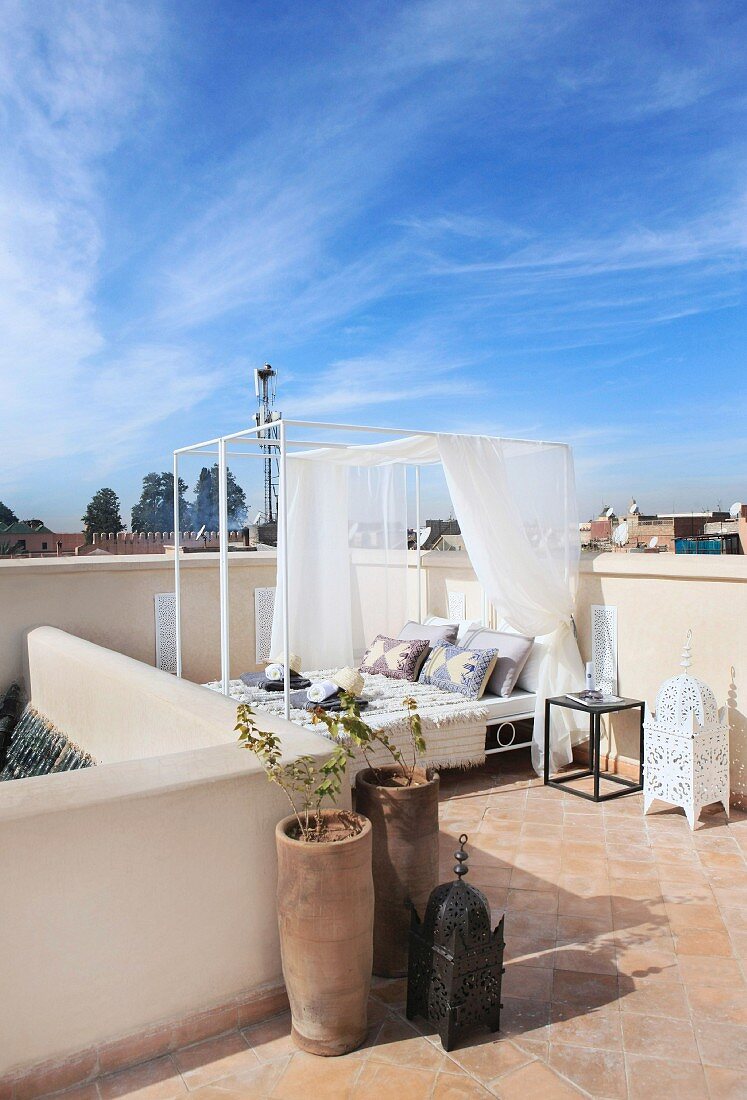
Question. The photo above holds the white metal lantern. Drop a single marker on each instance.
(686, 746)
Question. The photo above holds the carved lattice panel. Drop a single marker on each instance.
(165, 611)
(264, 605)
(457, 607)
(604, 647)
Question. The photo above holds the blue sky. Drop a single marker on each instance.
(522, 218)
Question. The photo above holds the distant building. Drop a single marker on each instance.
(723, 536)
(666, 528)
(432, 533)
(34, 540)
(714, 532)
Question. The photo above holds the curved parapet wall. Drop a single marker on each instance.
(142, 911)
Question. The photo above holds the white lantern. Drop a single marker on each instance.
(686, 746)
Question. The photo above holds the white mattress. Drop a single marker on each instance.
(499, 708)
(502, 709)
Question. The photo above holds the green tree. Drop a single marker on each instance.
(205, 508)
(155, 509)
(7, 515)
(102, 514)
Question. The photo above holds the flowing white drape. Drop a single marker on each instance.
(515, 503)
(516, 507)
(347, 558)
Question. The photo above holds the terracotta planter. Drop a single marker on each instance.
(325, 915)
(405, 858)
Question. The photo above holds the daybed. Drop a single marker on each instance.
(459, 731)
(454, 729)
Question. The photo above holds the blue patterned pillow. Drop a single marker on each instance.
(394, 657)
(465, 671)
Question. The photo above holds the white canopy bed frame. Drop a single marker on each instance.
(462, 457)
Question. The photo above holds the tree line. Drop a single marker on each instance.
(155, 509)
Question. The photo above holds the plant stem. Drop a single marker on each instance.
(295, 811)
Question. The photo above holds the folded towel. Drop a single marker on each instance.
(296, 683)
(332, 705)
(321, 690)
(275, 672)
(259, 680)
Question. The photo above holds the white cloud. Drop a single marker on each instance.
(415, 371)
(72, 78)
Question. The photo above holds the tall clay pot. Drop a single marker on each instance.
(325, 915)
(404, 821)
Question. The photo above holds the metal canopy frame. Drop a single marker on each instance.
(251, 437)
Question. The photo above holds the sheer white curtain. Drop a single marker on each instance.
(516, 506)
(377, 508)
(318, 566)
(347, 557)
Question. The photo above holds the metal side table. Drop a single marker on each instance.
(595, 712)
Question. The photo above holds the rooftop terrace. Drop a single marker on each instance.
(625, 968)
(625, 934)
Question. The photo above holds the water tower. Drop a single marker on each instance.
(266, 418)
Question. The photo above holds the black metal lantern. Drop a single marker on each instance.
(456, 962)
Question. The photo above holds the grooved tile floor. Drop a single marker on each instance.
(626, 945)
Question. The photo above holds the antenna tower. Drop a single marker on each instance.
(266, 417)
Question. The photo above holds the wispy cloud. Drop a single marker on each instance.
(395, 376)
(443, 209)
(73, 81)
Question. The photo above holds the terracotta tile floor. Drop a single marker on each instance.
(625, 967)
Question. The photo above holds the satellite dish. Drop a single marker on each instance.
(201, 532)
(620, 537)
(609, 513)
(735, 509)
(424, 535)
(634, 510)
(653, 542)
(257, 519)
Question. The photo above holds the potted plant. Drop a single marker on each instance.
(401, 801)
(325, 896)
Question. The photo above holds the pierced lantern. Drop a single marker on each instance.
(686, 745)
(455, 962)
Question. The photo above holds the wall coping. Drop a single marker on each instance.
(64, 792)
(703, 567)
(731, 567)
(128, 562)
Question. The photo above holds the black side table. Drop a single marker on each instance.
(595, 712)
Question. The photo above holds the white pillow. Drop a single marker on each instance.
(529, 677)
(435, 633)
(465, 625)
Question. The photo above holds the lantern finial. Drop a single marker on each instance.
(686, 654)
(461, 858)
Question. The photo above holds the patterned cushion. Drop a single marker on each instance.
(395, 658)
(514, 650)
(453, 668)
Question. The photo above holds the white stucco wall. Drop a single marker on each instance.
(143, 889)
